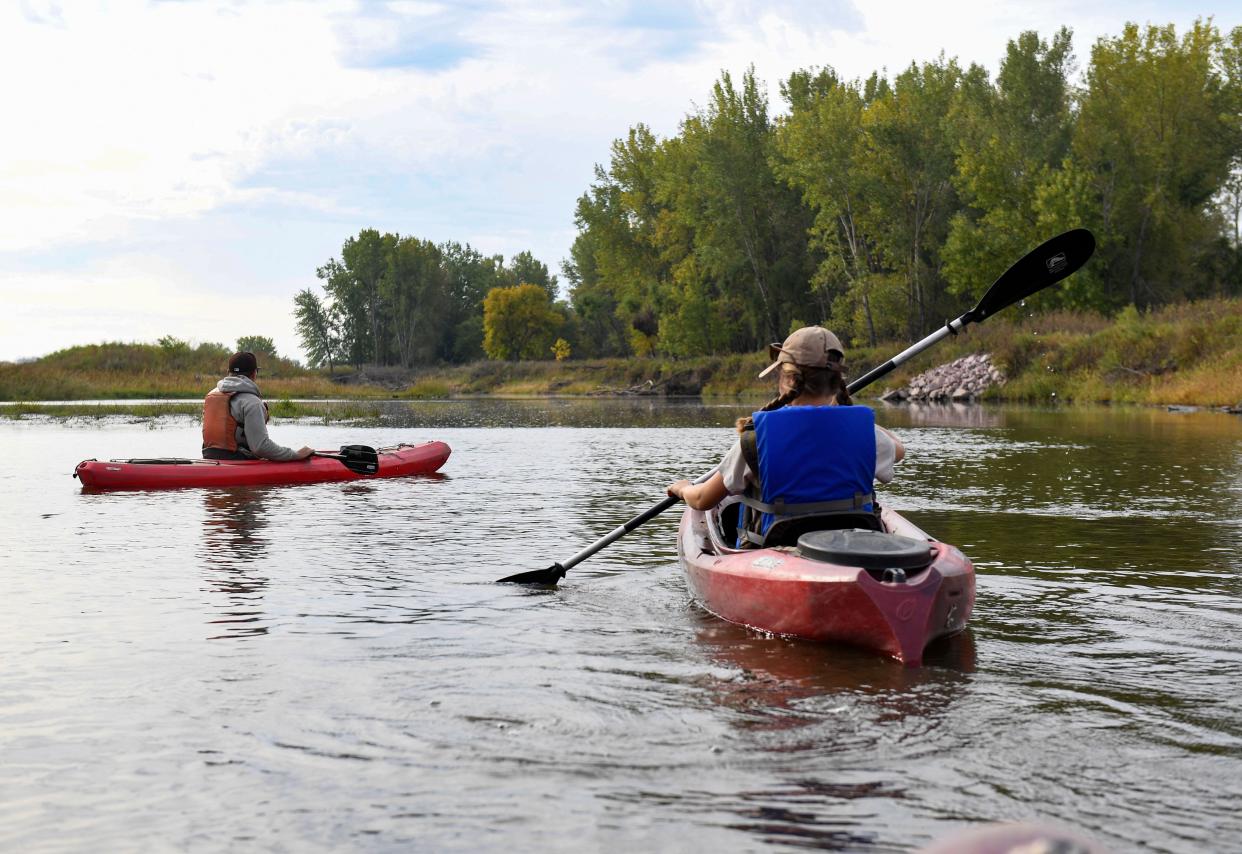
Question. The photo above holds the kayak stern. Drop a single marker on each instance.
(782, 591)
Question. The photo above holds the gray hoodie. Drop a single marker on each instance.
(246, 407)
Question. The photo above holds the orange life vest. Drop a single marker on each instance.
(219, 425)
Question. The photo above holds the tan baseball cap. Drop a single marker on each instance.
(810, 346)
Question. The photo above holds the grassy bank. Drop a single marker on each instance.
(328, 411)
(1189, 354)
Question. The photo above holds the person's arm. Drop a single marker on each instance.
(900, 452)
(255, 428)
(888, 451)
(700, 496)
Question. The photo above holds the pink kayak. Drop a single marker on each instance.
(399, 461)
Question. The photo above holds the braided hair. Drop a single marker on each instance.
(819, 382)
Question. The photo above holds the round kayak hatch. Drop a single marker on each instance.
(867, 549)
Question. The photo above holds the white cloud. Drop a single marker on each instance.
(136, 128)
(132, 298)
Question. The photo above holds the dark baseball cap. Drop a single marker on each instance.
(243, 363)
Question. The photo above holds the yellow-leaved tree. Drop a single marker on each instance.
(519, 322)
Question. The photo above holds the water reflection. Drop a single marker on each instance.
(559, 412)
(233, 542)
(918, 414)
(802, 706)
(1108, 628)
(783, 683)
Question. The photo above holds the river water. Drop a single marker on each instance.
(331, 667)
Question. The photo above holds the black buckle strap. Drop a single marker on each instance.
(842, 505)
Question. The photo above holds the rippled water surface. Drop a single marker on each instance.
(331, 667)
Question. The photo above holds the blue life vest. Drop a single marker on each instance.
(814, 459)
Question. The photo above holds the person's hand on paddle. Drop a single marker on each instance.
(305, 452)
(701, 496)
(675, 489)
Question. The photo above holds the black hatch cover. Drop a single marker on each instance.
(868, 549)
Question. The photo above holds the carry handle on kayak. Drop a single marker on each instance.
(357, 458)
(1045, 265)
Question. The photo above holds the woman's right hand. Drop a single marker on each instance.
(676, 488)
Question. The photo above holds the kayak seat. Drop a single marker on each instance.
(871, 550)
(787, 531)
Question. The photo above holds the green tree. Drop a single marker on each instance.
(519, 322)
(1157, 134)
(349, 308)
(743, 230)
(1012, 140)
(414, 291)
(818, 146)
(317, 328)
(525, 269)
(617, 264)
(594, 304)
(470, 275)
(365, 260)
(908, 158)
(258, 344)
(175, 353)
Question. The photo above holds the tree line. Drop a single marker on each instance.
(398, 300)
(880, 206)
(884, 206)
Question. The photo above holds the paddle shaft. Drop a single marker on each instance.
(1046, 264)
(950, 328)
(621, 530)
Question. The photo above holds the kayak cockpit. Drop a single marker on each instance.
(869, 532)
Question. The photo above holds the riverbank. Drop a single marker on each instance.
(1186, 355)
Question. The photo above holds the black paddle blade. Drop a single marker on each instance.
(1045, 265)
(359, 458)
(542, 577)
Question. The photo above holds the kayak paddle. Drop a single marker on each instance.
(1045, 265)
(357, 458)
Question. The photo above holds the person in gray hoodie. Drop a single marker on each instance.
(235, 418)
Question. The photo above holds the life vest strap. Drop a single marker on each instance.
(859, 502)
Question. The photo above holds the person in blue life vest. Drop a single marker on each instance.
(808, 448)
(235, 418)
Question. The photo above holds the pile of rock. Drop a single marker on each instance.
(964, 379)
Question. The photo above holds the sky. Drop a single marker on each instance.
(183, 168)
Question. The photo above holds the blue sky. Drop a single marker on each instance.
(181, 168)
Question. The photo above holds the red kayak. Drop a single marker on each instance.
(893, 591)
(399, 461)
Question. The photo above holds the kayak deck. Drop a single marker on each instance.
(783, 591)
(399, 461)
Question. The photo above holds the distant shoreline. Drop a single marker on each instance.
(1184, 355)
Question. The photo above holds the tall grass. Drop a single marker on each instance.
(38, 381)
(330, 412)
(1185, 354)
